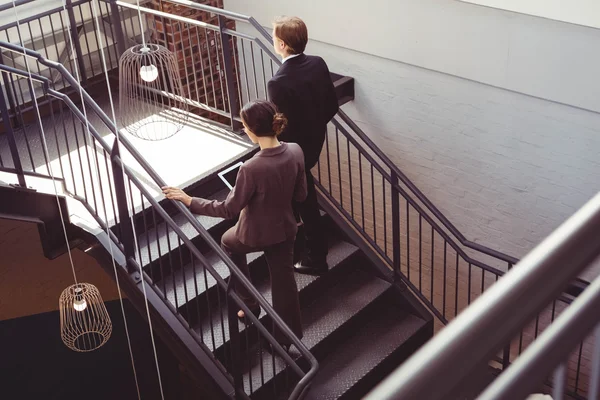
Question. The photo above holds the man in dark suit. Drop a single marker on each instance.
(303, 91)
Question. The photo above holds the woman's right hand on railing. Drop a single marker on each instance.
(174, 193)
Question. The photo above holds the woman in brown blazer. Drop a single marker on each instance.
(263, 193)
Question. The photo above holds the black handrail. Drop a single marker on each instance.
(234, 270)
(432, 208)
(476, 334)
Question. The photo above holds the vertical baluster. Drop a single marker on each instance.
(328, 162)
(339, 165)
(384, 219)
(160, 258)
(351, 186)
(63, 120)
(234, 340)
(469, 284)
(12, 144)
(445, 281)
(407, 241)
(209, 307)
(456, 288)
(210, 66)
(110, 188)
(432, 263)
(171, 265)
(87, 43)
(246, 71)
(577, 372)
(234, 109)
(262, 63)
(420, 252)
(202, 68)
(254, 69)
(150, 264)
(75, 39)
(373, 204)
(362, 203)
(180, 249)
(560, 375)
(237, 73)
(594, 392)
(195, 75)
(396, 252)
(99, 48)
(78, 149)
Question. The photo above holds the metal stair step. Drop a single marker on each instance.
(349, 371)
(339, 253)
(324, 322)
(156, 238)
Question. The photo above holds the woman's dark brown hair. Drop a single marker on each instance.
(263, 119)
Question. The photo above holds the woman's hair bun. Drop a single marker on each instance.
(279, 123)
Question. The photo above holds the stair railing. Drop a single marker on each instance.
(397, 222)
(111, 191)
(472, 339)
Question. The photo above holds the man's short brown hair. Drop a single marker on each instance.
(293, 32)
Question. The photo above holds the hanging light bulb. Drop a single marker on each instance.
(148, 71)
(79, 304)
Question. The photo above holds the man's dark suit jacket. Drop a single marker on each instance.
(264, 189)
(303, 91)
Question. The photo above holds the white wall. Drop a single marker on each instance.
(504, 167)
(540, 57)
(582, 12)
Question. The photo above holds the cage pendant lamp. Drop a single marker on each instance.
(151, 95)
(84, 322)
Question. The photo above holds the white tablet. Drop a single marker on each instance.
(228, 175)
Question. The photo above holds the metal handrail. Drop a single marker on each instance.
(475, 335)
(234, 270)
(430, 206)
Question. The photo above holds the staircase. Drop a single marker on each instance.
(341, 310)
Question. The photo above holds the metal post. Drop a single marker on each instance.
(115, 20)
(232, 95)
(234, 339)
(12, 143)
(11, 102)
(75, 39)
(395, 223)
(506, 351)
(123, 210)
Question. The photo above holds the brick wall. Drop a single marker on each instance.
(199, 52)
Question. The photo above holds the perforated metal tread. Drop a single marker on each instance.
(327, 315)
(352, 360)
(148, 240)
(338, 253)
(197, 279)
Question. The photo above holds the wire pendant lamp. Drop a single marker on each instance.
(151, 96)
(84, 322)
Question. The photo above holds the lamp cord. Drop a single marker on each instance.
(136, 245)
(95, 166)
(45, 144)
